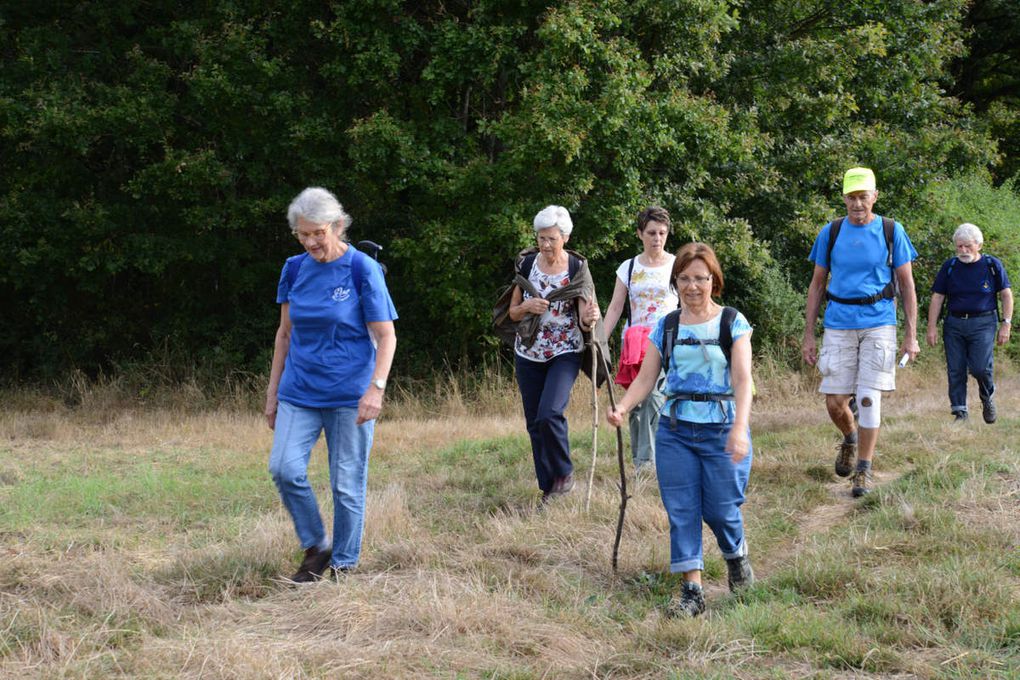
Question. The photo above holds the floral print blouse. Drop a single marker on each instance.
(558, 332)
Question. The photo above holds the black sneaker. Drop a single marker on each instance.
(961, 416)
(861, 483)
(740, 574)
(845, 458)
(312, 566)
(988, 411)
(688, 604)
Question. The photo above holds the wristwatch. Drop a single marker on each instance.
(1008, 322)
(380, 383)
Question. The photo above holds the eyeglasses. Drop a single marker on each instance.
(696, 280)
(316, 235)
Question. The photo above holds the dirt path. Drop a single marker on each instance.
(819, 520)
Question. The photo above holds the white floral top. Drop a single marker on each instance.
(650, 297)
(558, 332)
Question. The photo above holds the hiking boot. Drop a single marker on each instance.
(312, 566)
(563, 485)
(845, 458)
(688, 604)
(740, 575)
(988, 411)
(861, 483)
(961, 416)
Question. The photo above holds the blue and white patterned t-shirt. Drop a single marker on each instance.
(699, 369)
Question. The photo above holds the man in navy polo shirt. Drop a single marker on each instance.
(971, 281)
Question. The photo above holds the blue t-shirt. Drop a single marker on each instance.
(331, 356)
(699, 369)
(859, 269)
(971, 288)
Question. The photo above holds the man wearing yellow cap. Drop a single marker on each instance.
(868, 257)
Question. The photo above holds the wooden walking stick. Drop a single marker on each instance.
(594, 419)
(619, 456)
(623, 475)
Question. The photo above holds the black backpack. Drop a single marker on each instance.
(887, 293)
(672, 324)
(364, 249)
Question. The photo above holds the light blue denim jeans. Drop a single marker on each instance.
(297, 430)
(698, 481)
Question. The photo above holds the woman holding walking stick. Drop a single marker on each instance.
(703, 444)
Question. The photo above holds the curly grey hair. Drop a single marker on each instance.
(319, 206)
(968, 232)
(554, 216)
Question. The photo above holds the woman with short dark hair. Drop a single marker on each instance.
(643, 294)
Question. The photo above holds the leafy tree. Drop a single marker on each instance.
(150, 150)
(988, 76)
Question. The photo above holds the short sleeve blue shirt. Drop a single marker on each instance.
(699, 369)
(859, 269)
(331, 356)
(972, 286)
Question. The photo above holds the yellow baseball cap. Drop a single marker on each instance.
(858, 179)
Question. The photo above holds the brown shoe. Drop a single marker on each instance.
(562, 486)
(845, 458)
(312, 566)
(861, 483)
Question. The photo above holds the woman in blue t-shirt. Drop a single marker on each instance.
(703, 444)
(331, 359)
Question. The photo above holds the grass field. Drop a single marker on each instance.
(149, 542)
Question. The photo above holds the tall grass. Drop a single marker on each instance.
(145, 539)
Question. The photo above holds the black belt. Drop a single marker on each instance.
(887, 293)
(687, 396)
(971, 315)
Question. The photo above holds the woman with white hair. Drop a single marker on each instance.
(553, 302)
(971, 281)
(331, 360)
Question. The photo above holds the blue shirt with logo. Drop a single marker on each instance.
(860, 268)
(971, 287)
(331, 356)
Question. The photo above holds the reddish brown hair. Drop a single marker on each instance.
(698, 251)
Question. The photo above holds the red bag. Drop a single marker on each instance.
(635, 342)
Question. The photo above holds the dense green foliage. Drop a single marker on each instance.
(150, 150)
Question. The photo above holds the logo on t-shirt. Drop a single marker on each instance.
(341, 294)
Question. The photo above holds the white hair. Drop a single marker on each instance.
(318, 206)
(968, 232)
(554, 216)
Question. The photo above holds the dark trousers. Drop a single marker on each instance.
(545, 392)
(969, 345)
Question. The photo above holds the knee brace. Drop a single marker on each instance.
(869, 405)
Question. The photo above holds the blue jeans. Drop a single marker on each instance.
(297, 430)
(545, 391)
(698, 481)
(969, 344)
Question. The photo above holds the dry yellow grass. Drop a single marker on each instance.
(462, 574)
